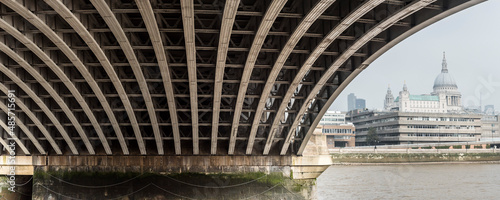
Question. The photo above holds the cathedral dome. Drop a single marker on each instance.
(444, 81)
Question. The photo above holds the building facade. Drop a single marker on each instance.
(490, 127)
(337, 132)
(411, 127)
(435, 117)
(338, 136)
(445, 97)
(332, 118)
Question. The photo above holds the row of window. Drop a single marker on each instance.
(422, 135)
(340, 137)
(336, 130)
(377, 121)
(446, 119)
(441, 127)
(440, 135)
(332, 119)
(380, 128)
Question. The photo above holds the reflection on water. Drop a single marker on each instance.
(442, 181)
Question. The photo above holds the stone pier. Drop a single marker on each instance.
(174, 177)
(171, 177)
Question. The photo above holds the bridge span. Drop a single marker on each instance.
(187, 78)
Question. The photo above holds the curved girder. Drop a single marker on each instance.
(187, 10)
(99, 53)
(57, 70)
(21, 84)
(399, 15)
(14, 136)
(115, 27)
(6, 146)
(25, 129)
(268, 20)
(59, 42)
(228, 18)
(153, 31)
(367, 62)
(190, 50)
(345, 23)
(35, 120)
(301, 29)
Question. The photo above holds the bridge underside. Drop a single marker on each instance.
(239, 77)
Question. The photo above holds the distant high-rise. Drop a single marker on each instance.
(360, 104)
(351, 102)
(489, 109)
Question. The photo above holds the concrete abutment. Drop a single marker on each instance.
(171, 177)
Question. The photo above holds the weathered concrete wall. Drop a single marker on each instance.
(413, 157)
(169, 164)
(176, 177)
(201, 177)
(23, 165)
(66, 183)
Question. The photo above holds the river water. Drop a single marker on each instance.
(420, 181)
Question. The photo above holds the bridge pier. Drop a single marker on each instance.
(171, 177)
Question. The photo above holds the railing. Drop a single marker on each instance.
(409, 150)
(405, 146)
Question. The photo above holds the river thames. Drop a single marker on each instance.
(416, 181)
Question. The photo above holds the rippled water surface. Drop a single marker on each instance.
(442, 181)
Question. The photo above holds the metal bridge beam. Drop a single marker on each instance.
(122, 39)
(187, 8)
(367, 62)
(149, 19)
(308, 20)
(60, 73)
(399, 15)
(47, 110)
(345, 23)
(57, 40)
(25, 129)
(268, 20)
(35, 120)
(228, 18)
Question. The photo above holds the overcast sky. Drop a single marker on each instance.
(471, 40)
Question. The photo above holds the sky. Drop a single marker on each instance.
(471, 40)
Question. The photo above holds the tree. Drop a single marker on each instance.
(372, 137)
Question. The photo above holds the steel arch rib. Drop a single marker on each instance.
(154, 33)
(301, 29)
(37, 22)
(6, 146)
(268, 20)
(35, 120)
(47, 110)
(228, 18)
(24, 129)
(14, 136)
(99, 53)
(57, 70)
(122, 39)
(187, 11)
(321, 47)
(367, 62)
(401, 14)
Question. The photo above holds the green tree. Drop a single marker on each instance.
(372, 137)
